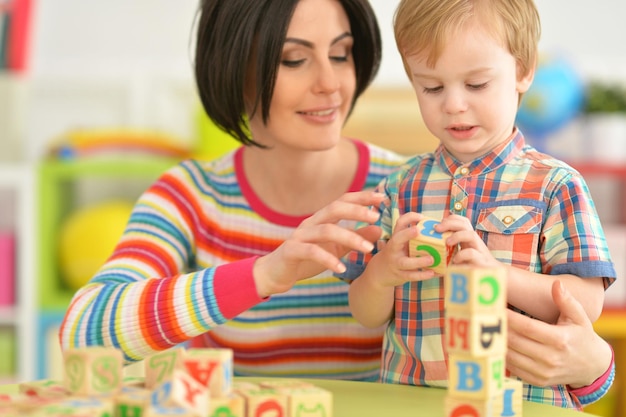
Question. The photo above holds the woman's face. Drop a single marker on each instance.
(315, 82)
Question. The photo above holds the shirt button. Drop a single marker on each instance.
(507, 220)
(458, 206)
(464, 171)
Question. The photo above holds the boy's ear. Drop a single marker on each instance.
(524, 82)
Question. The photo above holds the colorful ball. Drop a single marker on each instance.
(87, 238)
(556, 96)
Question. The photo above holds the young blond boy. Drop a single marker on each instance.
(505, 203)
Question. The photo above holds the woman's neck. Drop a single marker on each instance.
(300, 182)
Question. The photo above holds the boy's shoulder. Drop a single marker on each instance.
(548, 162)
(412, 166)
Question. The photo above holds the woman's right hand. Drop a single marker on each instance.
(319, 243)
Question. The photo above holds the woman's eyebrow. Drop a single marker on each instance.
(310, 44)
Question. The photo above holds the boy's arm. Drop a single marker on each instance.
(371, 302)
(371, 296)
(531, 293)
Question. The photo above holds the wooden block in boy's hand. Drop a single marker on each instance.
(430, 242)
(93, 370)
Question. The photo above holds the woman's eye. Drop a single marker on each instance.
(292, 63)
(339, 58)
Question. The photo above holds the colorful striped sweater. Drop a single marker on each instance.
(183, 270)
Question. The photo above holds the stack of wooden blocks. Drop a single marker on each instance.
(475, 332)
(177, 382)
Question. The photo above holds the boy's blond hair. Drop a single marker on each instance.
(424, 26)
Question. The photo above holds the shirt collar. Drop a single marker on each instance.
(490, 161)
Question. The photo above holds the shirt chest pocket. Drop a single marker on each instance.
(511, 232)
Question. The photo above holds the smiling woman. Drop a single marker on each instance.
(239, 252)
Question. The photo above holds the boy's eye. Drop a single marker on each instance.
(432, 90)
(477, 86)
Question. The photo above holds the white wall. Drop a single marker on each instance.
(591, 34)
(128, 62)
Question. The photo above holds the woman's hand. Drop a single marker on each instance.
(569, 352)
(319, 243)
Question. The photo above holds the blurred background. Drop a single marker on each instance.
(97, 98)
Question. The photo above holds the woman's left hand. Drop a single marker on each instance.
(569, 352)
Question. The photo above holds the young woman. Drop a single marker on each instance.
(219, 249)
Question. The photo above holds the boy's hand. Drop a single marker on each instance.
(393, 260)
(471, 248)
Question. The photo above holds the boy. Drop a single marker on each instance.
(505, 203)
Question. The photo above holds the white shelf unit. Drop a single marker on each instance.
(19, 179)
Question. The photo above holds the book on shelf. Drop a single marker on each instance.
(4, 36)
(15, 21)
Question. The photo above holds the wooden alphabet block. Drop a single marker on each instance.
(160, 366)
(266, 402)
(243, 386)
(132, 402)
(213, 368)
(183, 390)
(505, 404)
(463, 407)
(475, 378)
(44, 388)
(77, 407)
(309, 401)
(172, 410)
(511, 404)
(430, 242)
(232, 405)
(475, 334)
(475, 290)
(93, 371)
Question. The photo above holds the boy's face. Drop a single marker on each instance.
(470, 98)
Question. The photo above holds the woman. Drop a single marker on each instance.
(217, 249)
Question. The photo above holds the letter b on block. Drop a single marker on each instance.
(475, 290)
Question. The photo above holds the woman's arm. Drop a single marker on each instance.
(569, 352)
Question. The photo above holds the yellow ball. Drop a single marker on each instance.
(87, 238)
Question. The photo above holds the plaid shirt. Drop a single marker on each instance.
(555, 230)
